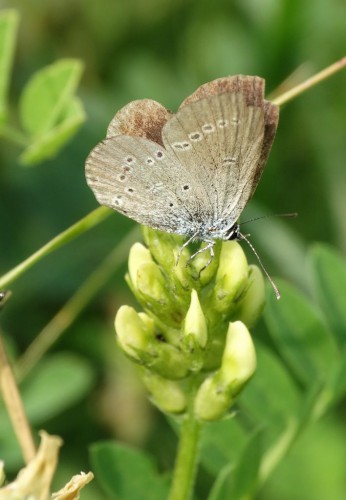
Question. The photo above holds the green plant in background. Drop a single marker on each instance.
(49, 112)
(198, 372)
(195, 376)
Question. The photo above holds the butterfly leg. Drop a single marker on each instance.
(210, 246)
(187, 242)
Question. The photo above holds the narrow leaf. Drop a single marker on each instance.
(262, 399)
(299, 334)
(329, 280)
(8, 32)
(239, 481)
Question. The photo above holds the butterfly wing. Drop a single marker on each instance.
(224, 141)
(198, 178)
(142, 180)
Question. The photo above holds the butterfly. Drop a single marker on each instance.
(191, 172)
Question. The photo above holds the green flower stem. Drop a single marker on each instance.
(69, 234)
(73, 307)
(186, 461)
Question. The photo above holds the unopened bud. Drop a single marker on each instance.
(252, 303)
(195, 324)
(134, 335)
(150, 287)
(166, 394)
(239, 357)
(231, 277)
(138, 256)
(217, 393)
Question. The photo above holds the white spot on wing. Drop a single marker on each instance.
(208, 128)
(229, 160)
(195, 136)
(118, 201)
(181, 146)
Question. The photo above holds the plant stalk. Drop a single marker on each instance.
(69, 234)
(186, 461)
(15, 407)
(310, 82)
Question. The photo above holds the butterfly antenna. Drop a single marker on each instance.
(275, 288)
(292, 214)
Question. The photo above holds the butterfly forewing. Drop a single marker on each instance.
(219, 140)
(142, 180)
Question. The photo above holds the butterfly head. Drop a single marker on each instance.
(234, 233)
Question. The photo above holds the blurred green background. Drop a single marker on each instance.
(165, 49)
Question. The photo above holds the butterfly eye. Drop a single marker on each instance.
(186, 187)
(159, 155)
(149, 161)
(121, 177)
(129, 159)
(222, 123)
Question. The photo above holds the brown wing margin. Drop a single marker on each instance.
(252, 87)
(271, 120)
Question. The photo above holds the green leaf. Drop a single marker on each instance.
(262, 398)
(240, 480)
(8, 32)
(299, 334)
(335, 387)
(47, 94)
(126, 473)
(58, 382)
(222, 444)
(261, 406)
(329, 280)
(50, 143)
(314, 469)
